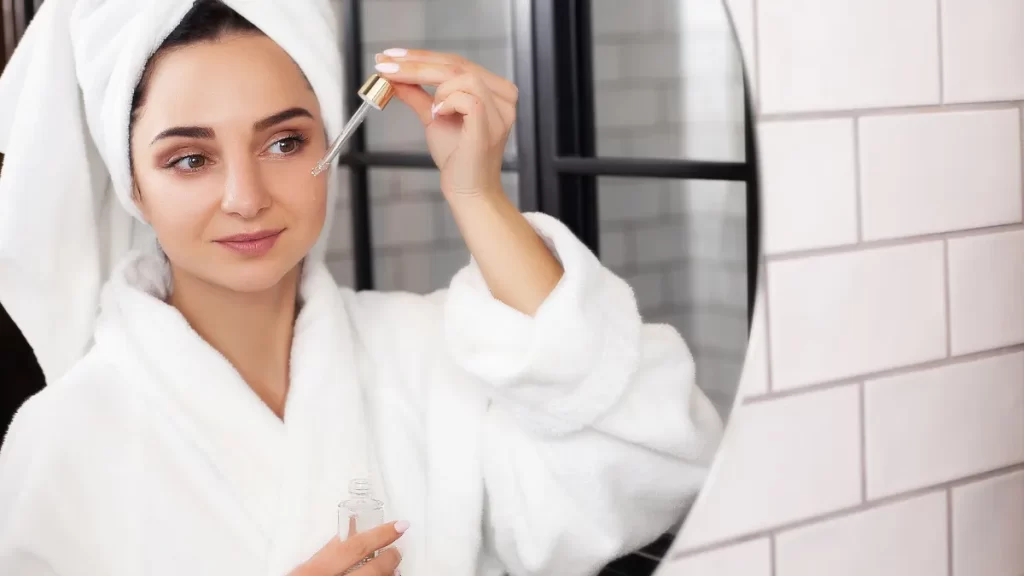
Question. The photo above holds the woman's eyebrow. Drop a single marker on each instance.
(185, 132)
(281, 117)
(207, 133)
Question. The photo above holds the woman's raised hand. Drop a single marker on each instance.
(467, 120)
(338, 556)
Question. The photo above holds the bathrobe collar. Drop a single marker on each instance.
(289, 475)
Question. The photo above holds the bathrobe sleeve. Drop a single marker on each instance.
(596, 437)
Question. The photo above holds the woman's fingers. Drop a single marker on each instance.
(385, 564)
(417, 98)
(339, 555)
(472, 84)
(429, 74)
(474, 113)
(502, 87)
(426, 106)
(434, 71)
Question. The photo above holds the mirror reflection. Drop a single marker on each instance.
(511, 318)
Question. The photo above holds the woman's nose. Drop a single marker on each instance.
(245, 193)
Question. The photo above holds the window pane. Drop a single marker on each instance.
(668, 80)
(682, 246)
(339, 257)
(416, 244)
(477, 30)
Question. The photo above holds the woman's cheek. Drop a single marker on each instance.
(302, 195)
(314, 211)
(183, 212)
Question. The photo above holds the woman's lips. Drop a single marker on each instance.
(255, 244)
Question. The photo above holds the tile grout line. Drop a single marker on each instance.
(888, 373)
(793, 392)
(857, 192)
(773, 562)
(895, 242)
(949, 530)
(992, 106)
(775, 530)
(1021, 141)
(862, 410)
(947, 298)
(938, 37)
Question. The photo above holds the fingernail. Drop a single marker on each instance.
(387, 67)
(396, 52)
(377, 57)
(401, 526)
(435, 108)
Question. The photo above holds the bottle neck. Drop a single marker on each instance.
(360, 488)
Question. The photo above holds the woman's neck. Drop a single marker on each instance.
(252, 330)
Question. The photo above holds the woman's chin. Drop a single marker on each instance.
(256, 275)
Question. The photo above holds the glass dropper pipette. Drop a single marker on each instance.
(376, 92)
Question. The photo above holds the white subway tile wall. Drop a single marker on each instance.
(896, 269)
(911, 441)
(840, 55)
(837, 316)
(808, 183)
(988, 524)
(986, 281)
(982, 50)
(929, 173)
(906, 538)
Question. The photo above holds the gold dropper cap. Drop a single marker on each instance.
(377, 91)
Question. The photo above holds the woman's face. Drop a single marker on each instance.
(222, 150)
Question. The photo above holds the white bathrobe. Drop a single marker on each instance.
(544, 445)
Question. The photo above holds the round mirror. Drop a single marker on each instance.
(633, 130)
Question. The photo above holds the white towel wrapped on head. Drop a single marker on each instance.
(65, 105)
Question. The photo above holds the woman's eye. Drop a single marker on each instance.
(190, 163)
(285, 145)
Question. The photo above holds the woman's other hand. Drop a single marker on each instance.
(338, 555)
(467, 120)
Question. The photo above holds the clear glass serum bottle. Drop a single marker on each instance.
(359, 513)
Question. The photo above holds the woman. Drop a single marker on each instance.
(524, 420)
